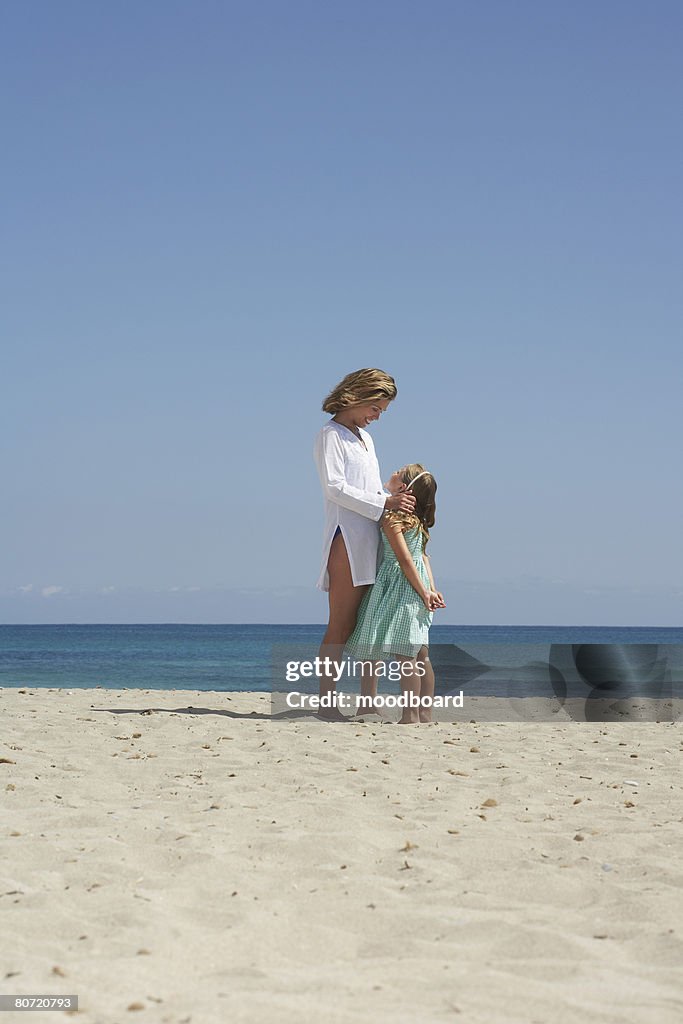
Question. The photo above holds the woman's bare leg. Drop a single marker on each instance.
(344, 601)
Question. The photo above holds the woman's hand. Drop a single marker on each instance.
(400, 503)
(437, 599)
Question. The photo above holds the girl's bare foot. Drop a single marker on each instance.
(373, 706)
(331, 715)
(371, 715)
(370, 719)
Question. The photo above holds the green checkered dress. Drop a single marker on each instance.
(392, 619)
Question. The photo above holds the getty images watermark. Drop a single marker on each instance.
(488, 681)
(334, 671)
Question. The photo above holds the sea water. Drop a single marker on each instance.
(230, 657)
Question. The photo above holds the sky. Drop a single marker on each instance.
(213, 211)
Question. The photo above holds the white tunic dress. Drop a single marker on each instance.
(354, 499)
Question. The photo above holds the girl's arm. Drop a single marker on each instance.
(395, 537)
(439, 603)
(428, 567)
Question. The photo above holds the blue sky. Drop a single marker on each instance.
(216, 210)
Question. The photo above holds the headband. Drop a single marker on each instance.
(423, 473)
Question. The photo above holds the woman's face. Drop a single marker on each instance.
(364, 414)
(396, 484)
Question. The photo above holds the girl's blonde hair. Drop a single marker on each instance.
(424, 491)
(360, 388)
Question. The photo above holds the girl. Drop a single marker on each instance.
(354, 502)
(395, 616)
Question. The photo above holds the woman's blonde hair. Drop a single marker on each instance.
(360, 388)
(424, 491)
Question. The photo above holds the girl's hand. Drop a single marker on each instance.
(427, 598)
(437, 599)
(400, 503)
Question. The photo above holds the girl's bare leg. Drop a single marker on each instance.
(368, 690)
(344, 600)
(368, 682)
(426, 684)
(410, 687)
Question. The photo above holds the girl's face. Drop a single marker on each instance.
(364, 414)
(396, 484)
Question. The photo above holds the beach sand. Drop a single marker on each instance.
(179, 856)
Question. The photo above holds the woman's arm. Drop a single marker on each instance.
(395, 537)
(329, 457)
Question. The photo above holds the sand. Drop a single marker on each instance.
(178, 856)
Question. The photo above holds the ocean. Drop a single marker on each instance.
(238, 657)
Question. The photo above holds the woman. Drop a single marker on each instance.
(354, 502)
